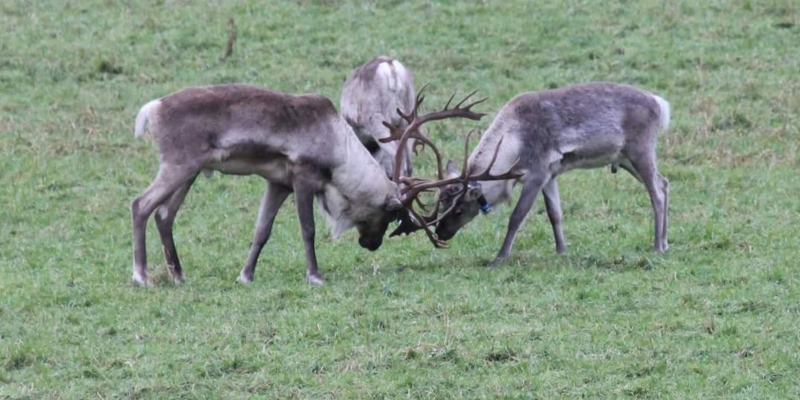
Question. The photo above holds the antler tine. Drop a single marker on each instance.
(421, 205)
(446, 106)
(408, 117)
(435, 150)
(439, 244)
(456, 112)
(486, 175)
(466, 98)
(466, 153)
(494, 156)
(420, 97)
(432, 216)
(395, 133)
(422, 89)
(408, 180)
(449, 209)
(479, 101)
(411, 115)
(420, 145)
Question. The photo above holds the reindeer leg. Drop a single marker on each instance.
(270, 204)
(530, 190)
(552, 202)
(664, 186)
(304, 197)
(167, 182)
(645, 169)
(165, 219)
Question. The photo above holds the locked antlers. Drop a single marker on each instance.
(415, 121)
(413, 187)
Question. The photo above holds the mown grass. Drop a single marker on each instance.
(716, 316)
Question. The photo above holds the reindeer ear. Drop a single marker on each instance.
(473, 193)
(393, 204)
(452, 170)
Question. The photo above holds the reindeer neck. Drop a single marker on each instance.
(358, 176)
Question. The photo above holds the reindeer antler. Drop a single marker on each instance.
(415, 186)
(415, 121)
(419, 185)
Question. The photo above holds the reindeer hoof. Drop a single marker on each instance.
(178, 278)
(140, 280)
(315, 279)
(496, 263)
(243, 278)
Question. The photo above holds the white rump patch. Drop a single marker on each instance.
(388, 74)
(394, 74)
(401, 70)
(664, 111)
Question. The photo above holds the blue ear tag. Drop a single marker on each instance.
(485, 206)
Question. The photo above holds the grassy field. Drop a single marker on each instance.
(714, 317)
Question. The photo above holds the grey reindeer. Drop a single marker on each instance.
(371, 95)
(538, 136)
(299, 144)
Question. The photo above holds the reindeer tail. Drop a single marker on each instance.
(144, 116)
(663, 111)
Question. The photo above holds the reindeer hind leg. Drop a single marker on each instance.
(165, 216)
(644, 168)
(167, 181)
(552, 202)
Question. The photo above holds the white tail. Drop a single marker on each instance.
(664, 110)
(143, 116)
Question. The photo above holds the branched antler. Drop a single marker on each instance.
(413, 187)
(415, 121)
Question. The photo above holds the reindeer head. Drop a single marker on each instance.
(369, 208)
(465, 206)
(460, 190)
(371, 229)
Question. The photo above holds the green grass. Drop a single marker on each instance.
(714, 317)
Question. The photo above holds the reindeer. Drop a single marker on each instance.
(539, 135)
(299, 144)
(370, 97)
